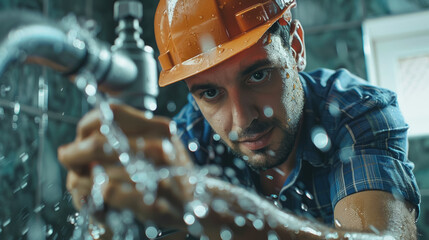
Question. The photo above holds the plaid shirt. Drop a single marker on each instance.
(366, 148)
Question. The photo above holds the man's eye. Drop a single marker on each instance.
(259, 76)
(210, 93)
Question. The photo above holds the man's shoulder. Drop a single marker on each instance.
(329, 91)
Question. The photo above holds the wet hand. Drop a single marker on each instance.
(146, 137)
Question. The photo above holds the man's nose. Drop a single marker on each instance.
(244, 110)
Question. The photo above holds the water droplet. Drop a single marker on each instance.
(104, 129)
(239, 163)
(195, 229)
(16, 108)
(189, 219)
(107, 149)
(192, 180)
(24, 157)
(233, 136)
(374, 229)
(225, 234)
(304, 207)
(309, 195)
(149, 198)
(57, 207)
(4, 90)
(279, 171)
(258, 224)
(271, 153)
(215, 170)
(274, 196)
(220, 50)
(269, 177)
(220, 149)
(164, 173)
(272, 235)
(168, 149)
(345, 154)
(99, 177)
(219, 205)
(49, 230)
(251, 217)
(201, 210)
(337, 223)
(201, 17)
(5, 223)
(173, 127)
(229, 172)
(124, 158)
(90, 90)
(193, 146)
(216, 137)
(91, 100)
(148, 114)
(299, 191)
(268, 111)
(320, 139)
(283, 198)
(38, 208)
(171, 106)
(334, 109)
(151, 232)
(332, 235)
(240, 221)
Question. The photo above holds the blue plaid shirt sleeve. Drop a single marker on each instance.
(371, 142)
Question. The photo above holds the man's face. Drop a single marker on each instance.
(254, 101)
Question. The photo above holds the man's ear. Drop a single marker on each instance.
(297, 44)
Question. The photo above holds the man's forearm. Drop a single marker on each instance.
(249, 216)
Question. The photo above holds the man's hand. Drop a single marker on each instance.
(145, 136)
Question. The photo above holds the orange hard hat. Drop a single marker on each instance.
(195, 35)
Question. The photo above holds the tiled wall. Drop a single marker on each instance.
(39, 109)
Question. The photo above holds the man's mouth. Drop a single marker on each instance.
(257, 141)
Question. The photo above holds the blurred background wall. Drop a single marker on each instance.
(39, 109)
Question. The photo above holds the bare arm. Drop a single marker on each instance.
(364, 215)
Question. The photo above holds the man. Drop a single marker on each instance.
(326, 149)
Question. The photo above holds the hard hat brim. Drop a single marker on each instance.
(215, 55)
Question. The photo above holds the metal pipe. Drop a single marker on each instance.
(28, 37)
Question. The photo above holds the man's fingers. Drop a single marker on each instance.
(133, 121)
(79, 187)
(80, 154)
(88, 124)
(117, 174)
(119, 195)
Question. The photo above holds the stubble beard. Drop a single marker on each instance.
(293, 102)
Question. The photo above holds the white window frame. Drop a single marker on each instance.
(387, 40)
